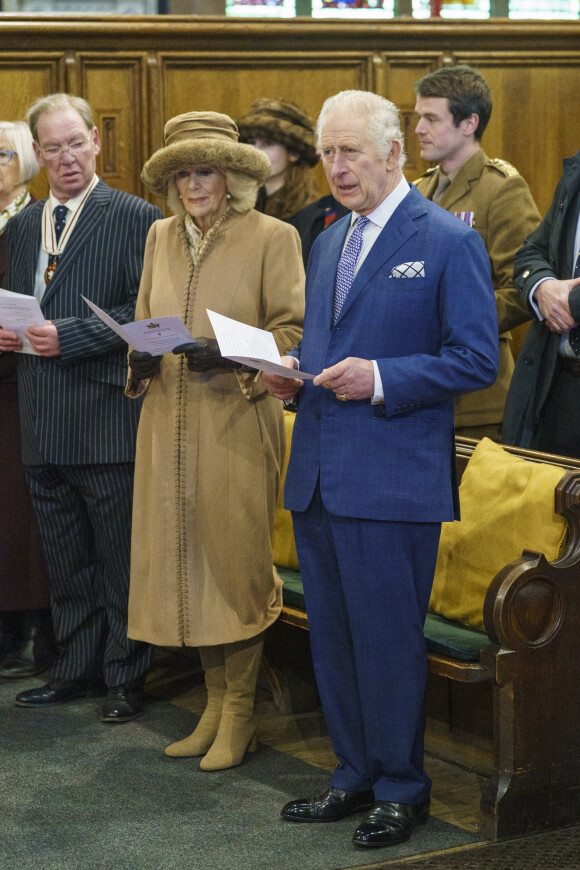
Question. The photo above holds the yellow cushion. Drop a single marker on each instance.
(507, 505)
(283, 546)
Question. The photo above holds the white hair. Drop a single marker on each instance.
(382, 119)
(19, 138)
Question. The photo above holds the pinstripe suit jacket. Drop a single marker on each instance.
(73, 408)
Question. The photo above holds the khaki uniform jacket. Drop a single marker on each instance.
(210, 445)
(504, 213)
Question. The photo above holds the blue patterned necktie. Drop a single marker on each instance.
(60, 215)
(346, 266)
(574, 334)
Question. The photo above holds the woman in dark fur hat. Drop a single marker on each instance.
(284, 132)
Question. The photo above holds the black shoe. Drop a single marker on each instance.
(36, 650)
(389, 823)
(11, 632)
(122, 704)
(19, 667)
(331, 806)
(52, 693)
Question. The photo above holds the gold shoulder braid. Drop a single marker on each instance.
(426, 174)
(504, 166)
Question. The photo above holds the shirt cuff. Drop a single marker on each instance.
(378, 395)
(532, 298)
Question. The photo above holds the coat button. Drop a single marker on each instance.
(318, 415)
(528, 360)
(526, 273)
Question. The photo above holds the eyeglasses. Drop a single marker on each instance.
(6, 156)
(55, 152)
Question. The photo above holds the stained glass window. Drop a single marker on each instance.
(88, 7)
(474, 9)
(261, 8)
(544, 8)
(359, 9)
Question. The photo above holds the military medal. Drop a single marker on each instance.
(468, 217)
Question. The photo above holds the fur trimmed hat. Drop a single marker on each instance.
(202, 139)
(284, 122)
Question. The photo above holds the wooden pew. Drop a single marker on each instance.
(529, 657)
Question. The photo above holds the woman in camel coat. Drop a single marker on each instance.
(211, 439)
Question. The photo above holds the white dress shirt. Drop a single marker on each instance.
(378, 219)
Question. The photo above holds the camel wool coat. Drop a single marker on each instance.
(210, 445)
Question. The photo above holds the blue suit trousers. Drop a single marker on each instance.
(367, 585)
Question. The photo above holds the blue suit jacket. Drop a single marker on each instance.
(73, 408)
(433, 337)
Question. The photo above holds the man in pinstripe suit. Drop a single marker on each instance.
(78, 428)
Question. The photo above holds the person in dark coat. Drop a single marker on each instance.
(285, 133)
(315, 218)
(542, 409)
(26, 637)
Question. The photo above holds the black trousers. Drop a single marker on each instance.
(84, 517)
(559, 428)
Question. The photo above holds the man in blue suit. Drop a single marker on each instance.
(78, 428)
(400, 319)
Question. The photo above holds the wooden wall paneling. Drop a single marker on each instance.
(401, 71)
(230, 82)
(23, 79)
(533, 69)
(116, 88)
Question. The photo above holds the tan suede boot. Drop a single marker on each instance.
(198, 743)
(238, 725)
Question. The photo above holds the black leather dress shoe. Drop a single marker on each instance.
(122, 704)
(389, 823)
(19, 668)
(52, 693)
(331, 806)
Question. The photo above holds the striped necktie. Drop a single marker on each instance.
(347, 265)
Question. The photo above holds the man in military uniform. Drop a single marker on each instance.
(454, 105)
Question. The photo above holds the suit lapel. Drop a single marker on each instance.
(461, 184)
(333, 249)
(94, 211)
(433, 181)
(33, 244)
(393, 236)
(568, 214)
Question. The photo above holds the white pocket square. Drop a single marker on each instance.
(409, 270)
